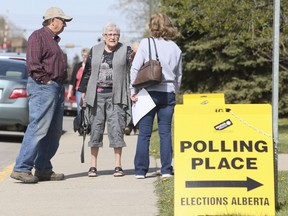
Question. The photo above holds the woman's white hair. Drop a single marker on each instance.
(110, 26)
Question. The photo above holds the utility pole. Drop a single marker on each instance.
(275, 89)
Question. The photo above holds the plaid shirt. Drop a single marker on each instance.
(45, 59)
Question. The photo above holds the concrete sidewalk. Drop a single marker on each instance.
(283, 162)
(78, 194)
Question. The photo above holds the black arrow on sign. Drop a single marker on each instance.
(250, 184)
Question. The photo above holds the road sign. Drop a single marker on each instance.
(224, 160)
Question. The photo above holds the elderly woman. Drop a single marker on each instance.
(105, 90)
(163, 94)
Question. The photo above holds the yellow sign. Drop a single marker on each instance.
(203, 99)
(224, 160)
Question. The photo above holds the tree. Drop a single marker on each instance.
(227, 47)
(138, 13)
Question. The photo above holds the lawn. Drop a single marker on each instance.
(283, 135)
(165, 187)
(165, 192)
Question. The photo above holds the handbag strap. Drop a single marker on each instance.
(155, 49)
(150, 58)
(84, 134)
(85, 131)
(82, 149)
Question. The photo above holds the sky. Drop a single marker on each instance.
(89, 18)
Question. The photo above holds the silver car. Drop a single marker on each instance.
(13, 95)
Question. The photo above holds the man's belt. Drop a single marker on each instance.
(46, 80)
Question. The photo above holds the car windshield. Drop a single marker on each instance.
(13, 70)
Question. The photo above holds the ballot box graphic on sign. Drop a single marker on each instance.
(223, 159)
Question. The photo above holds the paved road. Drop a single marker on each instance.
(9, 146)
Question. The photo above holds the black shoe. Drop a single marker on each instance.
(25, 177)
(49, 176)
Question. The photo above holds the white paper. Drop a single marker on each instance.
(143, 105)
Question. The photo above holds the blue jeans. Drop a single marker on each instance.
(165, 103)
(41, 139)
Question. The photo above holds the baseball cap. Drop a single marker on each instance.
(56, 12)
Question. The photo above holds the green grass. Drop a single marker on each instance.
(165, 187)
(283, 135)
(165, 193)
(282, 209)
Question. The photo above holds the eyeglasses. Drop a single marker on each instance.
(112, 35)
(63, 20)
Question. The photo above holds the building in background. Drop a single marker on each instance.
(11, 37)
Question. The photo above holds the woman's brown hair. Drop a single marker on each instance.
(161, 26)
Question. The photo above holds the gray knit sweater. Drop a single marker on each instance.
(121, 77)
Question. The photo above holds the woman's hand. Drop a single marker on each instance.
(82, 99)
(134, 98)
(69, 95)
(83, 95)
(131, 57)
(69, 92)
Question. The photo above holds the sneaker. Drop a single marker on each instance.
(118, 172)
(166, 176)
(92, 172)
(25, 177)
(140, 176)
(49, 176)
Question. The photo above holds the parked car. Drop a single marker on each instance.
(13, 95)
(13, 55)
(70, 106)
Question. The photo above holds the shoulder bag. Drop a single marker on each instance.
(82, 124)
(150, 73)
